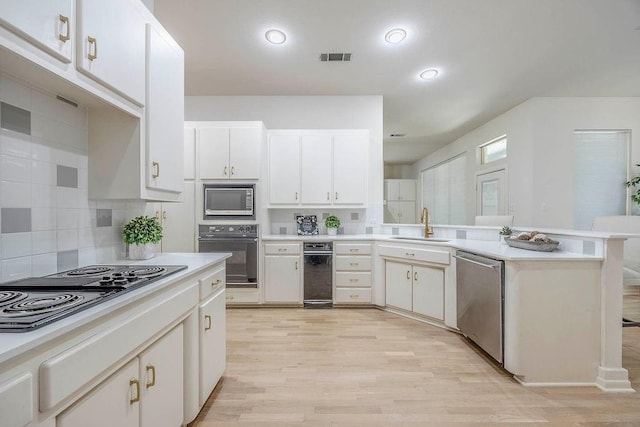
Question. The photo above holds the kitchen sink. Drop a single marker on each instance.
(421, 239)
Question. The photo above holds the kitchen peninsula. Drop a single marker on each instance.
(562, 309)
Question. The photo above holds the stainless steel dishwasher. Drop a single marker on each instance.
(318, 274)
(480, 301)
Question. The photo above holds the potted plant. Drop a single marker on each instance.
(332, 223)
(635, 182)
(505, 232)
(141, 234)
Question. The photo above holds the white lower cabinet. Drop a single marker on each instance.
(212, 343)
(16, 400)
(415, 288)
(352, 265)
(282, 273)
(147, 391)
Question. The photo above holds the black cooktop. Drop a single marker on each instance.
(33, 302)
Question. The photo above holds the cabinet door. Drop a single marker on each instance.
(406, 211)
(428, 291)
(115, 402)
(316, 156)
(245, 146)
(213, 350)
(391, 189)
(406, 189)
(213, 156)
(189, 153)
(178, 222)
(282, 279)
(111, 45)
(350, 166)
(162, 388)
(284, 169)
(164, 112)
(398, 284)
(48, 24)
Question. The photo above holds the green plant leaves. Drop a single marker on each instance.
(142, 230)
(332, 221)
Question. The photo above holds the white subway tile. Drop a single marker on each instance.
(87, 256)
(43, 196)
(43, 219)
(44, 264)
(44, 128)
(43, 242)
(67, 240)
(84, 218)
(86, 238)
(67, 219)
(67, 197)
(17, 169)
(15, 93)
(15, 194)
(16, 268)
(16, 245)
(44, 103)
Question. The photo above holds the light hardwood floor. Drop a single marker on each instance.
(367, 367)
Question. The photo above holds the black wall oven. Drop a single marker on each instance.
(229, 201)
(242, 242)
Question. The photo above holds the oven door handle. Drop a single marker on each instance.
(239, 239)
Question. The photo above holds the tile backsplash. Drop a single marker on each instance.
(47, 221)
(283, 221)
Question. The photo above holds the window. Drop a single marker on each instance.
(444, 191)
(600, 173)
(490, 193)
(493, 150)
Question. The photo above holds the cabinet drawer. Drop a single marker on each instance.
(353, 295)
(412, 253)
(242, 296)
(16, 401)
(212, 281)
(353, 248)
(346, 279)
(282, 248)
(353, 263)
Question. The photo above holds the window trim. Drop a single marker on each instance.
(481, 147)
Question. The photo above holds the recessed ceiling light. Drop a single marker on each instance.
(395, 36)
(275, 36)
(429, 74)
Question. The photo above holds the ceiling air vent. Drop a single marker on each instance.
(332, 57)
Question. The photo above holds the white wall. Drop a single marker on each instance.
(305, 112)
(540, 153)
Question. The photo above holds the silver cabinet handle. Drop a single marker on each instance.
(65, 21)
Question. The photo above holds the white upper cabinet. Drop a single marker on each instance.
(315, 171)
(284, 169)
(350, 168)
(316, 168)
(48, 24)
(111, 45)
(164, 111)
(230, 152)
(189, 153)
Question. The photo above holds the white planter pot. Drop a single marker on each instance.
(145, 251)
(332, 231)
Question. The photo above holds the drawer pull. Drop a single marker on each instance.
(282, 249)
(353, 280)
(135, 398)
(409, 254)
(353, 250)
(353, 264)
(94, 42)
(65, 21)
(217, 281)
(152, 370)
(229, 298)
(207, 319)
(353, 296)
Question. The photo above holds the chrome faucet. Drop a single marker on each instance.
(424, 219)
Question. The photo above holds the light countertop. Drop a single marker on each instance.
(493, 249)
(15, 343)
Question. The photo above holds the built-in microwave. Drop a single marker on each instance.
(229, 201)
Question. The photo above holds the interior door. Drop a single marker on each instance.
(490, 193)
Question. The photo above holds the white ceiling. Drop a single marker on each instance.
(493, 55)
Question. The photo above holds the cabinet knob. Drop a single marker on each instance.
(65, 21)
(136, 398)
(207, 319)
(92, 42)
(151, 372)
